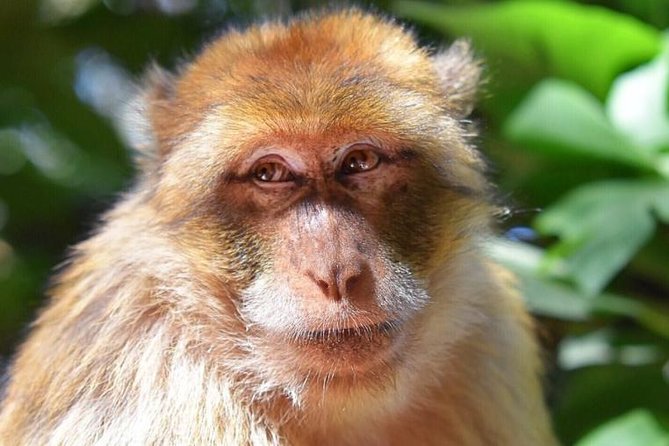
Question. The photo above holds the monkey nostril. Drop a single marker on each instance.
(323, 285)
(351, 284)
(328, 288)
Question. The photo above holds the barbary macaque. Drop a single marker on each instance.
(300, 262)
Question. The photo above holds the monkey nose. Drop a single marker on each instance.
(342, 282)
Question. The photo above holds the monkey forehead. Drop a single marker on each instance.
(330, 117)
(342, 58)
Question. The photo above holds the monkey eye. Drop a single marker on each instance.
(361, 159)
(272, 171)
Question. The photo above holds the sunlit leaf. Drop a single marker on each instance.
(561, 117)
(54, 11)
(549, 297)
(586, 44)
(637, 428)
(637, 103)
(605, 346)
(554, 300)
(542, 296)
(53, 154)
(601, 226)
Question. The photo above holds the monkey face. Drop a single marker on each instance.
(323, 184)
(331, 234)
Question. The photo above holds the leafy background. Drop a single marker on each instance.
(575, 117)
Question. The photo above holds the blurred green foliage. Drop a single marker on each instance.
(576, 122)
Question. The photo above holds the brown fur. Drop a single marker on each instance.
(203, 312)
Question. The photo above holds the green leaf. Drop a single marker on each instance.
(637, 104)
(561, 117)
(585, 44)
(607, 346)
(12, 158)
(601, 226)
(548, 297)
(541, 296)
(636, 428)
(595, 395)
(553, 299)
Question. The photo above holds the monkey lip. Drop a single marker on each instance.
(354, 334)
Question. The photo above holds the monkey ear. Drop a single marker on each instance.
(459, 73)
(146, 117)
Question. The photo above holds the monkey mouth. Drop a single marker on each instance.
(359, 334)
(347, 351)
(340, 351)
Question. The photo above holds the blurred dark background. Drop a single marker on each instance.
(575, 118)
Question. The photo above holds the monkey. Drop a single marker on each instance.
(300, 261)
